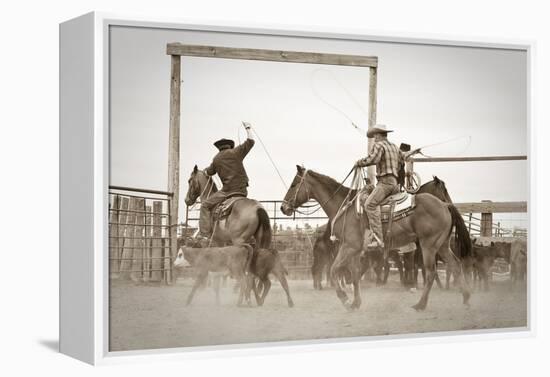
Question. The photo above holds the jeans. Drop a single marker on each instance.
(205, 221)
(386, 186)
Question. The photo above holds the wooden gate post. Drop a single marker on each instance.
(371, 173)
(174, 152)
(486, 225)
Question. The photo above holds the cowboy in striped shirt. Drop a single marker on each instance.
(386, 156)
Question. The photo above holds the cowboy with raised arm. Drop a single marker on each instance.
(228, 164)
(385, 155)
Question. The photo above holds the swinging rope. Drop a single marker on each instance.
(334, 107)
(270, 158)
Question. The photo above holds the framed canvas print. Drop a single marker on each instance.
(226, 188)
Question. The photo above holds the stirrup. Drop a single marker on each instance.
(376, 242)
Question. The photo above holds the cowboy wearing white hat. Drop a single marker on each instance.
(385, 155)
(228, 164)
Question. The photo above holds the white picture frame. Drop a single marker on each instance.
(84, 159)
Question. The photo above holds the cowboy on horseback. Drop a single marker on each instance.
(386, 156)
(228, 164)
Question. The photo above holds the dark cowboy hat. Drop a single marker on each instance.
(220, 143)
(378, 129)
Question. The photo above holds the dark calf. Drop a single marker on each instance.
(484, 257)
(265, 262)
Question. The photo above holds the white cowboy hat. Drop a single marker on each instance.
(378, 129)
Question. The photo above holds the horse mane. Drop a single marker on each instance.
(331, 183)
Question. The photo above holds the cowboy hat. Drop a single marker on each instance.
(222, 142)
(377, 129)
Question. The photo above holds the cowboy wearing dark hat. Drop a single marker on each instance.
(228, 164)
(386, 156)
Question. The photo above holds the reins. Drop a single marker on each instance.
(318, 205)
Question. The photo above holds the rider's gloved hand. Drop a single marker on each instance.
(248, 127)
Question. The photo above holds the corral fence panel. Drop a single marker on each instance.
(140, 235)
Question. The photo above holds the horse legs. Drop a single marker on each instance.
(199, 280)
(355, 277)
(448, 274)
(428, 257)
(455, 265)
(340, 263)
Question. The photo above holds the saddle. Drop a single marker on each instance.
(389, 214)
(223, 210)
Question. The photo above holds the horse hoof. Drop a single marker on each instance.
(419, 307)
(466, 298)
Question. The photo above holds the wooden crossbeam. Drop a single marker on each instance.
(179, 49)
(468, 159)
(492, 207)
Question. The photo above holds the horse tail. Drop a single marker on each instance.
(263, 233)
(462, 236)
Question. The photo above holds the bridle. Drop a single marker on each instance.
(209, 183)
(292, 204)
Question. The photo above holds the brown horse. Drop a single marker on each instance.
(247, 222)
(430, 223)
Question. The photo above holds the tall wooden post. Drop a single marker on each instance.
(174, 151)
(371, 172)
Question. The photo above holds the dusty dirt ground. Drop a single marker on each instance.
(147, 316)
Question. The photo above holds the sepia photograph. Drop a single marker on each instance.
(268, 188)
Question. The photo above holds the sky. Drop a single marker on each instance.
(426, 94)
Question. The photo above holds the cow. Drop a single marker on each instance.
(234, 260)
(518, 260)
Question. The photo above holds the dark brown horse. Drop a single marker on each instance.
(437, 188)
(431, 223)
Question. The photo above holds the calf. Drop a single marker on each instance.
(265, 262)
(484, 257)
(234, 260)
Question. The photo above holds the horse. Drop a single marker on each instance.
(323, 250)
(437, 188)
(431, 223)
(248, 219)
(247, 222)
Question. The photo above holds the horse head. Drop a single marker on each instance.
(298, 192)
(197, 182)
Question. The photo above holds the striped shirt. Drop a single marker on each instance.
(385, 156)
